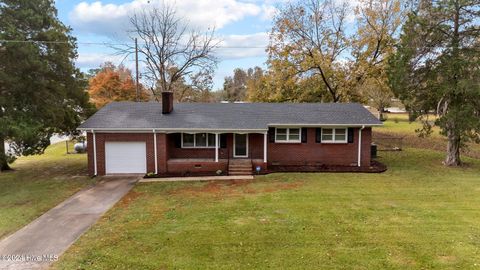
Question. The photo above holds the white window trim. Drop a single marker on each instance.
(288, 135)
(333, 136)
(195, 142)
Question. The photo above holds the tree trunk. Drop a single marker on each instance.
(3, 157)
(380, 113)
(453, 150)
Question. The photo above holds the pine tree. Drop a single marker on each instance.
(41, 91)
(437, 68)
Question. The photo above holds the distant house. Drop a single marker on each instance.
(233, 138)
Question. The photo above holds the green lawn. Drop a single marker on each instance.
(417, 215)
(37, 184)
(398, 126)
(398, 123)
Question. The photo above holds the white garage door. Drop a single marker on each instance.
(125, 157)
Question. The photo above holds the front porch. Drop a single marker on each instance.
(209, 166)
(216, 153)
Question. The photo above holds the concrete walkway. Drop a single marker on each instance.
(198, 178)
(41, 242)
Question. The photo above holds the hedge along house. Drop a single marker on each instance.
(234, 138)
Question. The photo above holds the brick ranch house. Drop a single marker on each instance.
(234, 138)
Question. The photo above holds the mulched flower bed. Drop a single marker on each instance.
(375, 167)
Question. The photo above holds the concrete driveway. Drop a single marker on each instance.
(41, 242)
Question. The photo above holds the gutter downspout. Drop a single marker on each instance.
(265, 147)
(216, 147)
(360, 146)
(94, 153)
(155, 150)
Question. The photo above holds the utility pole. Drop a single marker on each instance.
(136, 68)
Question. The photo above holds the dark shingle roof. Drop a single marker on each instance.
(227, 116)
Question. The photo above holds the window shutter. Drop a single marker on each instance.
(223, 140)
(350, 135)
(177, 138)
(318, 135)
(271, 134)
(304, 135)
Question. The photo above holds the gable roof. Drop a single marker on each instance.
(227, 116)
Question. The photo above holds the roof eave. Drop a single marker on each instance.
(323, 125)
(172, 130)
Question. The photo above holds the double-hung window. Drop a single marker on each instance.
(334, 135)
(292, 135)
(198, 140)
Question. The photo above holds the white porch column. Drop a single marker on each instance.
(155, 150)
(216, 147)
(94, 153)
(265, 147)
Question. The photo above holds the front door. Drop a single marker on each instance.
(240, 145)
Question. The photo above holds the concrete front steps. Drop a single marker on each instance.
(240, 167)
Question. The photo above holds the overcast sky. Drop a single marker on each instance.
(238, 23)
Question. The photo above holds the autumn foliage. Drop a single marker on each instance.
(113, 84)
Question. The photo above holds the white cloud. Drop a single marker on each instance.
(242, 46)
(112, 19)
(268, 11)
(230, 47)
(87, 60)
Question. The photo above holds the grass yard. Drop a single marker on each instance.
(397, 125)
(37, 184)
(417, 215)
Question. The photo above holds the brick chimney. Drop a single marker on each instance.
(167, 102)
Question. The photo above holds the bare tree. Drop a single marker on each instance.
(171, 50)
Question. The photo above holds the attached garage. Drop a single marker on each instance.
(125, 157)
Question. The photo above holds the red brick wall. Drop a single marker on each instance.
(309, 153)
(195, 167)
(259, 162)
(91, 168)
(162, 152)
(312, 153)
(101, 138)
(366, 144)
(255, 146)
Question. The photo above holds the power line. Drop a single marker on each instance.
(116, 44)
(133, 44)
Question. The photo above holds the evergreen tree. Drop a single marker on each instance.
(437, 68)
(41, 91)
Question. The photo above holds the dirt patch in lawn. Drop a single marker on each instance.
(284, 186)
(212, 187)
(129, 198)
(234, 188)
(239, 183)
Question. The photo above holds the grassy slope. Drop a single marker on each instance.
(398, 125)
(417, 215)
(37, 184)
